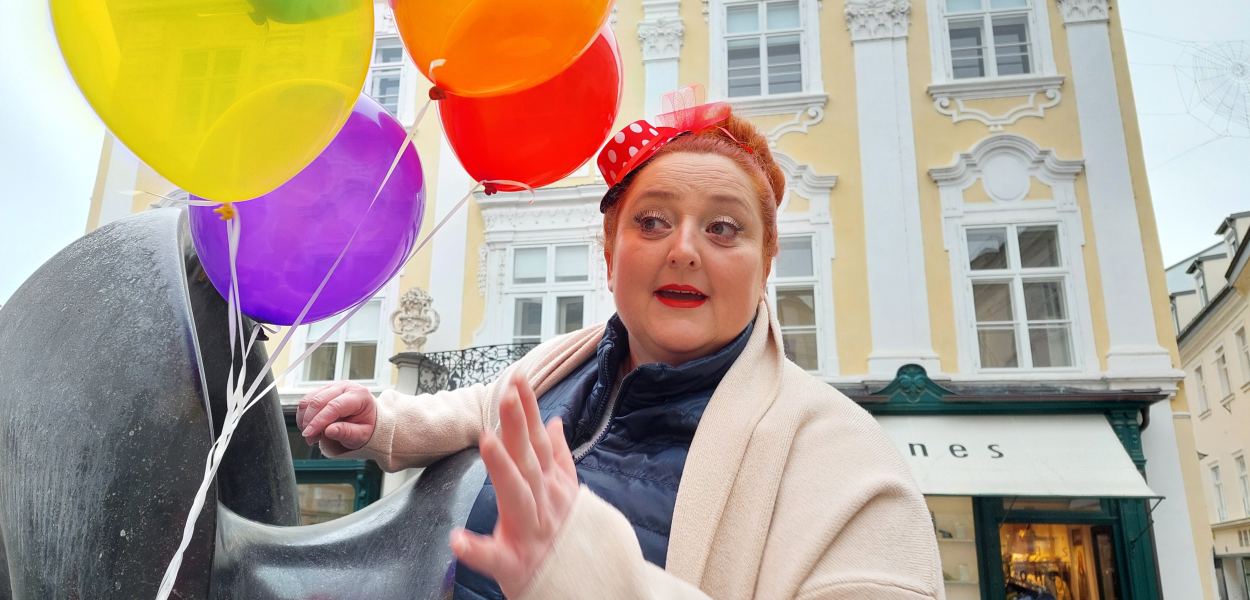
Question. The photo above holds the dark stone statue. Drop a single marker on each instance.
(106, 418)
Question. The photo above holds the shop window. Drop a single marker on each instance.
(351, 352)
(1056, 560)
(955, 529)
(794, 292)
(330, 488)
(386, 72)
(1019, 287)
(547, 291)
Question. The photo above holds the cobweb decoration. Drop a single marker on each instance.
(1214, 81)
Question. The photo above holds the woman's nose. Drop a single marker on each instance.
(685, 250)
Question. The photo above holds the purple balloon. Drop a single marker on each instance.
(291, 236)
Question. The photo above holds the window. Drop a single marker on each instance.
(764, 48)
(385, 72)
(793, 289)
(1243, 479)
(1243, 352)
(1200, 390)
(1221, 369)
(547, 291)
(1020, 299)
(1221, 512)
(989, 38)
(351, 352)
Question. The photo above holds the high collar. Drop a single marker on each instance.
(652, 382)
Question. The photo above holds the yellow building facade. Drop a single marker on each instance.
(1211, 300)
(967, 233)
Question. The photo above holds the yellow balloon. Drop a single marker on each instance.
(227, 99)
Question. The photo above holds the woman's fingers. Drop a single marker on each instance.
(560, 453)
(516, 439)
(513, 494)
(337, 408)
(480, 553)
(351, 436)
(533, 422)
(314, 401)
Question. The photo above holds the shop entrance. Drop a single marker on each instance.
(1059, 561)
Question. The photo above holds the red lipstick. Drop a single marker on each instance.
(680, 296)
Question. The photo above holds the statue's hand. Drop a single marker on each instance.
(535, 485)
(342, 412)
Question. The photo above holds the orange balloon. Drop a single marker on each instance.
(492, 47)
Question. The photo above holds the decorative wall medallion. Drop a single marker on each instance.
(877, 19)
(415, 319)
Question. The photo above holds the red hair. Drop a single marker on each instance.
(736, 139)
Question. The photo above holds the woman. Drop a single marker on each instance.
(710, 465)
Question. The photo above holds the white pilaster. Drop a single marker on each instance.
(661, 32)
(1134, 340)
(1178, 559)
(897, 292)
(449, 252)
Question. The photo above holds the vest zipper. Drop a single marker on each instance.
(601, 430)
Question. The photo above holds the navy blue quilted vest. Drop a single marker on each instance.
(636, 462)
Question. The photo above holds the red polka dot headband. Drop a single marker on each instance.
(640, 140)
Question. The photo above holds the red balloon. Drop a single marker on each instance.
(542, 134)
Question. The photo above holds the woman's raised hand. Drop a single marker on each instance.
(342, 412)
(535, 485)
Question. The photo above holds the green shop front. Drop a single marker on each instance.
(1035, 493)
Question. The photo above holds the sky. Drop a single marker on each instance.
(1199, 167)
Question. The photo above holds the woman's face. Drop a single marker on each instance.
(687, 265)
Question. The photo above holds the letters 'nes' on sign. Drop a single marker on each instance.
(1001, 455)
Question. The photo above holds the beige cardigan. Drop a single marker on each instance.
(790, 489)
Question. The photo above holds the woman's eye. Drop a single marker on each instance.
(725, 229)
(650, 222)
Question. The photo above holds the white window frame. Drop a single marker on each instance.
(384, 27)
(1217, 489)
(1221, 372)
(1243, 480)
(558, 216)
(1015, 276)
(816, 283)
(987, 163)
(1243, 353)
(395, 69)
(1200, 389)
(294, 382)
(1041, 52)
(812, 92)
(548, 290)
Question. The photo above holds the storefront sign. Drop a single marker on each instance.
(1000, 455)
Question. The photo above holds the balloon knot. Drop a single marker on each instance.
(437, 93)
(490, 189)
(226, 210)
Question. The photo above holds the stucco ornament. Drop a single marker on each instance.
(415, 319)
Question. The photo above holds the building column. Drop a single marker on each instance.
(661, 33)
(1134, 340)
(897, 290)
(449, 251)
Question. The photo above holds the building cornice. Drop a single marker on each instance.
(1207, 316)
(877, 19)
